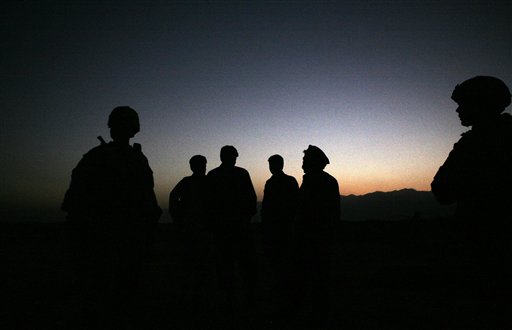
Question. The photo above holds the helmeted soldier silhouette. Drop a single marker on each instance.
(318, 211)
(232, 204)
(188, 209)
(112, 211)
(278, 210)
(477, 177)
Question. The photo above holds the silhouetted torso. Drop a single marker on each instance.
(319, 203)
(232, 195)
(112, 184)
(188, 209)
(112, 212)
(477, 174)
(318, 210)
(188, 202)
(477, 177)
(232, 204)
(278, 211)
(279, 198)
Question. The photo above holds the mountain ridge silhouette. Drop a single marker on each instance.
(403, 204)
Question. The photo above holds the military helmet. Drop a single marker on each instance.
(485, 91)
(124, 116)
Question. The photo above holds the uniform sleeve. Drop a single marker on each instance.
(444, 184)
(153, 210)
(83, 197)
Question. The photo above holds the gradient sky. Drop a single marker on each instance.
(369, 82)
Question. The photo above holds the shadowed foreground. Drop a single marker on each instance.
(385, 275)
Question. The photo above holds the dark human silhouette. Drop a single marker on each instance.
(278, 211)
(318, 211)
(232, 204)
(111, 211)
(477, 176)
(189, 213)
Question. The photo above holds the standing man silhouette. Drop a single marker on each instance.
(232, 204)
(278, 211)
(318, 212)
(188, 209)
(477, 177)
(112, 211)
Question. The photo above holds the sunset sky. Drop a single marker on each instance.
(369, 82)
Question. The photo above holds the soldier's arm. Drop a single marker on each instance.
(444, 186)
(80, 198)
(153, 210)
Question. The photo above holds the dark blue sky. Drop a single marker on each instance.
(369, 82)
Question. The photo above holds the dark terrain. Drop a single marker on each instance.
(386, 274)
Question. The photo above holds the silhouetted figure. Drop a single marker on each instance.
(278, 211)
(188, 209)
(112, 212)
(477, 176)
(232, 204)
(318, 211)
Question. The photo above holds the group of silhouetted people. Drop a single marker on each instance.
(297, 222)
(113, 213)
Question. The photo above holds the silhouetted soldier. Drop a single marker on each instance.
(477, 176)
(112, 211)
(318, 211)
(188, 209)
(277, 214)
(233, 203)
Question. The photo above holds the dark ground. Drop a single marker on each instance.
(392, 275)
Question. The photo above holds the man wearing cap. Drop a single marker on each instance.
(318, 212)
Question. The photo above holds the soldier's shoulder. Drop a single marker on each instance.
(97, 151)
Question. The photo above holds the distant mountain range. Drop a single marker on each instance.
(404, 204)
(394, 205)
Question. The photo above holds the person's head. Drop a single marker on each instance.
(275, 164)
(228, 155)
(123, 123)
(314, 159)
(480, 98)
(198, 164)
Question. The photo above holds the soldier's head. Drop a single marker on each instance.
(314, 159)
(480, 98)
(123, 123)
(228, 155)
(198, 164)
(275, 164)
